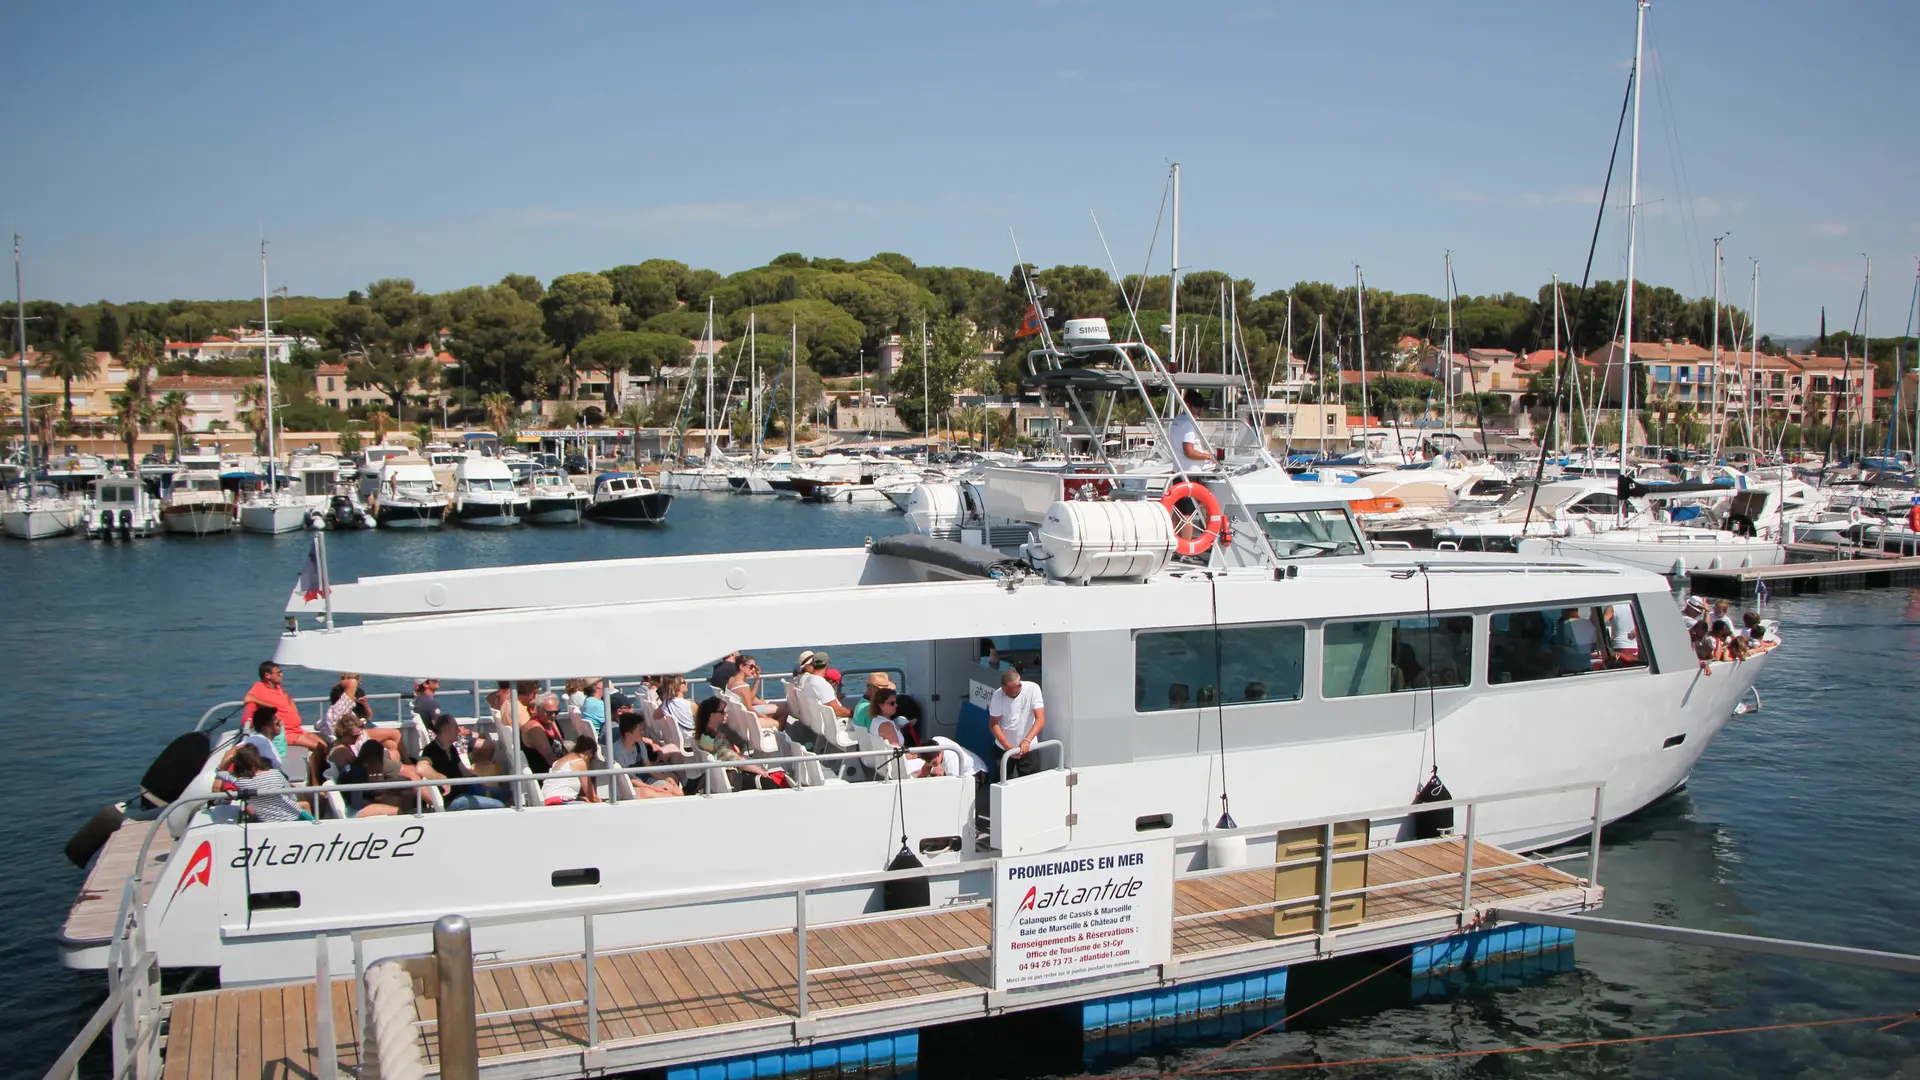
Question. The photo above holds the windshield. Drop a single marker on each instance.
(485, 484)
(1305, 534)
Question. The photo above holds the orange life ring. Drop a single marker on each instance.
(1197, 523)
(1385, 504)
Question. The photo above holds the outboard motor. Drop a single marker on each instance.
(106, 524)
(126, 524)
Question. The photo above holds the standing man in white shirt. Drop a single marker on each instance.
(1188, 446)
(1015, 717)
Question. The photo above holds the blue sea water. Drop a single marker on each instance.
(1800, 820)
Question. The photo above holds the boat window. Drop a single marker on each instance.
(1304, 534)
(498, 483)
(1178, 669)
(1600, 502)
(1385, 656)
(1549, 643)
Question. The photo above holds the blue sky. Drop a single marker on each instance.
(456, 142)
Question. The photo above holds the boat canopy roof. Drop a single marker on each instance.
(679, 613)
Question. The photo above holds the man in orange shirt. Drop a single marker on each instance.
(270, 690)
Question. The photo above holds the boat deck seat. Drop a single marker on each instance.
(975, 731)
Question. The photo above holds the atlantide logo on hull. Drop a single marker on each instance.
(334, 849)
(199, 869)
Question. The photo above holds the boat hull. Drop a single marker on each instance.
(197, 520)
(272, 519)
(649, 508)
(554, 510)
(409, 515)
(488, 515)
(39, 523)
(1672, 556)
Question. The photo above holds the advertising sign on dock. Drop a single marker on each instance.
(1070, 914)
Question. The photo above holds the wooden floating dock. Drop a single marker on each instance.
(1875, 571)
(688, 1002)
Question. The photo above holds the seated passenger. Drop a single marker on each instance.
(1723, 615)
(632, 751)
(863, 712)
(715, 739)
(1694, 610)
(561, 786)
(1758, 634)
(1573, 642)
(484, 764)
(886, 722)
(441, 758)
(1623, 637)
(425, 705)
(540, 741)
(1703, 646)
(348, 699)
(261, 786)
(951, 759)
(262, 727)
(593, 704)
(271, 690)
(674, 705)
(1255, 691)
(575, 695)
(1179, 695)
(814, 683)
(745, 685)
(724, 670)
(372, 765)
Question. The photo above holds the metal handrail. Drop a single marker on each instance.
(201, 725)
(1006, 759)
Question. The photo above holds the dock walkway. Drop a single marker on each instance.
(694, 1001)
(1804, 577)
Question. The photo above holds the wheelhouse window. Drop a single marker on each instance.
(1385, 656)
(1306, 534)
(1555, 642)
(1179, 669)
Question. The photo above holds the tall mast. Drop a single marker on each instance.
(793, 396)
(753, 385)
(708, 439)
(1447, 389)
(926, 387)
(266, 355)
(1173, 280)
(20, 336)
(1719, 266)
(1753, 350)
(1360, 305)
(1633, 228)
(1866, 358)
(1558, 388)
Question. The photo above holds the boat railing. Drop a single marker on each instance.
(1007, 760)
(134, 1005)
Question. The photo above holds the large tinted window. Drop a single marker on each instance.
(1177, 669)
(1382, 656)
(1553, 642)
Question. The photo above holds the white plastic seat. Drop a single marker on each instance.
(745, 723)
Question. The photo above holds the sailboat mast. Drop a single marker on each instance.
(753, 384)
(1447, 389)
(793, 395)
(926, 387)
(1558, 386)
(1173, 280)
(707, 440)
(266, 357)
(20, 336)
(1719, 267)
(1866, 358)
(1753, 350)
(1360, 307)
(1633, 228)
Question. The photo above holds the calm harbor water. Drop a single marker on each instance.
(1800, 821)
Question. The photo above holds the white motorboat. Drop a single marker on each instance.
(119, 507)
(406, 496)
(275, 508)
(484, 494)
(553, 500)
(37, 511)
(197, 505)
(1672, 550)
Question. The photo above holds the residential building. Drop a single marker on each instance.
(236, 344)
(330, 388)
(92, 398)
(1477, 371)
(213, 401)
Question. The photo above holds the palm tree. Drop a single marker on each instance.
(422, 435)
(174, 412)
(139, 352)
(254, 398)
(381, 420)
(42, 407)
(70, 359)
(500, 409)
(130, 410)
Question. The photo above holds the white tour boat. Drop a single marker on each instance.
(1268, 645)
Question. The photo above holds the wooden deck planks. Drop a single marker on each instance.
(98, 903)
(268, 1034)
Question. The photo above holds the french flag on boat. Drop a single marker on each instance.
(313, 583)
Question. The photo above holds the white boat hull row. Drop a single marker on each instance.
(39, 521)
(402, 513)
(1673, 552)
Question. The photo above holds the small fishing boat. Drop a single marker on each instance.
(406, 496)
(484, 495)
(119, 507)
(197, 505)
(627, 499)
(553, 500)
